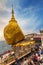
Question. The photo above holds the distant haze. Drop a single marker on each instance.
(4, 47)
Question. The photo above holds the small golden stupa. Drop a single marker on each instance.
(12, 31)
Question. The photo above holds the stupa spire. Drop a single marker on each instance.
(12, 12)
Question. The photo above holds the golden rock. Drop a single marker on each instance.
(12, 31)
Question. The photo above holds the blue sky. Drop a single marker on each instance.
(28, 13)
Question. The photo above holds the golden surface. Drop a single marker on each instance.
(25, 43)
(12, 31)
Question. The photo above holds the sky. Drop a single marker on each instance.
(28, 13)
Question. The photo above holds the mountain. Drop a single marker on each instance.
(4, 47)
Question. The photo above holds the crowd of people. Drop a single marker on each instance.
(35, 59)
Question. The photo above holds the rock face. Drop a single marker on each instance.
(12, 31)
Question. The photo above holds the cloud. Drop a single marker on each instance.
(29, 20)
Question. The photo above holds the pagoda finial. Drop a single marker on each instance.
(12, 12)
